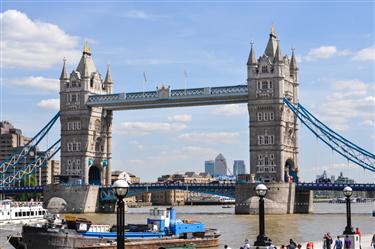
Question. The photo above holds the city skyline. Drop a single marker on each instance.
(192, 134)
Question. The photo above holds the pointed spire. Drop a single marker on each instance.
(278, 57)
(86, 48)
(272, 43)
(108, 76)
(273, 33)
(293, 62)
(252, 60)
(64, 73)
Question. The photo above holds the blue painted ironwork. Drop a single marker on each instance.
(39, 162)
(336, 142)
(22, 153)
(26, 189)
(227, 190)
(335, 187)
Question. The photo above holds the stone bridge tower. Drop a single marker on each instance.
(273, 127)
(86, 132)
(273, 134)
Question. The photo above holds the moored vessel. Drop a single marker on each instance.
(162, 229)
(12, 212)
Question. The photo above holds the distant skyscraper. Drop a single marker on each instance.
(220, 165)
(209, 167)
(239, 167)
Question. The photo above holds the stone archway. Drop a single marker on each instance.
(290, 171)
(94, 175)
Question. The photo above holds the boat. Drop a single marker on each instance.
(162, 229)
(12, 212)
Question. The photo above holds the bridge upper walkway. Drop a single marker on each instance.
(165, 97)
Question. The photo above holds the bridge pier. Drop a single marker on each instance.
(282, 198)
(71, 198)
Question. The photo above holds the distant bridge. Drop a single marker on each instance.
(226, 190)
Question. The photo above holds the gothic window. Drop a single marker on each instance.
(69, 126)
(260, 140)
(69, 146)
(272, 160)
(258, 85)
(264, 85)
(74, 147)
(78, 125)
(98, 144)
(264, 69)
(260, 116)
(266, 139)
(265, 117)
(270, 86)
(91, 82)
(74, 98)
(74, 83)
(272, 138)
(97, 125)
(272, 116)
(266, 161)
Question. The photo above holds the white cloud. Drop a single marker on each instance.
(37, 82)
(143, 128)
(53, 104)
(211, 137)
(231, 110)
(34, 44)
(180, 118)
(323, 52)
(137, 144)
(366, 54)
(349, 100)
(326, 52)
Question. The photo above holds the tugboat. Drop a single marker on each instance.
(162, 229)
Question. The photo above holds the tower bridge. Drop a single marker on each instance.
(271, 92)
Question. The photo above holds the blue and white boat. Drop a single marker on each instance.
(162, 229)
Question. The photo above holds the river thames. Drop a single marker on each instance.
(235, 228)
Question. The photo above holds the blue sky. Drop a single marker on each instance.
(209, 40)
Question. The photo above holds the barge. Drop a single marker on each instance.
(162, 229)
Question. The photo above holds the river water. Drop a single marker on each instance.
(235, 228)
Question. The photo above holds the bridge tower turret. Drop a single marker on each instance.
(273, 127)
(86, 132)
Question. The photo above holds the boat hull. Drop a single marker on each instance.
(43, 238)
(167, 243)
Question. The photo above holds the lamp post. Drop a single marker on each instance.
(348, 192)
(262, 240)
(121, 188)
